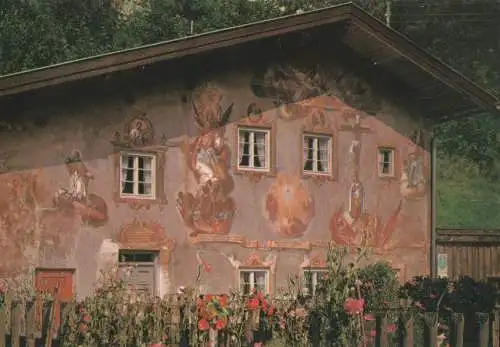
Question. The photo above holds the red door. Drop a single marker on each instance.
(58, 283)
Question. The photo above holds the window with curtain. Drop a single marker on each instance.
(137, 175)
(253, 149)
(317, 154)
(253, 279)
(386, 162)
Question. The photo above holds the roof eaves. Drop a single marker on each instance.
(424, 60)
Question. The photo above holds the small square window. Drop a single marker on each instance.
(386, 162)
(253, 149)
(317, 154)
(253, 280)
(311, 280)
(138, 269)
(137, 177)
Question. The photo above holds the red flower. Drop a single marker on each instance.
(373, 333)
(270, 310)
(203, 325)
(253, 304)
(223, 300)
(209, 298)
(86, 318)
(354, 306)
(391, 328)
(220, 324)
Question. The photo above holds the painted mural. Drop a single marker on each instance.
(75, 198)
(289, 206)
(293, 90)
(413, 173)
(289, 89)
(19, 196)
(209, 209)
(355, 226)
(137, 132)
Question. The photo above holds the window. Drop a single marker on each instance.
(253, 149)
(137, 175)
(253, 279)
(386, 162)
(317, 154)
(311, 280)
(138, 269)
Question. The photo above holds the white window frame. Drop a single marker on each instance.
(154, 264)
(314, 278)
(136, 194)
(380, 162)
(316, 138)
(252, 132)
(252, 281)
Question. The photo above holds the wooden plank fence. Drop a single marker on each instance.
(20, 326)
(470, 252)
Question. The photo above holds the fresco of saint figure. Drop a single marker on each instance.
(209, 209)
(75, 198)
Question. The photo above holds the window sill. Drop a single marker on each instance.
(254, 175)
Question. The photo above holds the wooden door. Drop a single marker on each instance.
(58, 283)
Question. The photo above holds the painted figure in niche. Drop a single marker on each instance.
(20, 194)
(413, 180)
(356, 227)
(76, 198)
(289, 206)
(209, 209)
(138, 131)
(290, 89)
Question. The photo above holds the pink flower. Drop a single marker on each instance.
(420, 305)
(391, 328)
(373, 333)
(354, 306)
(369, 317)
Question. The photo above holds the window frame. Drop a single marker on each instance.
(154, 264)
(379, 162)
(313, 271)
(317, 137)
(252, 131)
(252, 273)
(154, 170)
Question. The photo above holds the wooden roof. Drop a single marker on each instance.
(444, 91)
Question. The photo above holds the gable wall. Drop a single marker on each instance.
(265, 226)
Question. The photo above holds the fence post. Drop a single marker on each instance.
(482, 320)
(381, 339)
(457, 329)
(31, 323)
(3, 324)
(405, 329)
(495, 328)
(16, 322)
(430, 328)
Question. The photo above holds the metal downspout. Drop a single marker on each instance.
(433, 251)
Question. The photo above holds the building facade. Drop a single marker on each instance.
(249, 160)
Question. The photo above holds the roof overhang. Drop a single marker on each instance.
(445, 92)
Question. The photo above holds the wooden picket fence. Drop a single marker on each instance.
(37, 323)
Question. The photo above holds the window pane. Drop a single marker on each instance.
(260, 280)
(245, 282)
